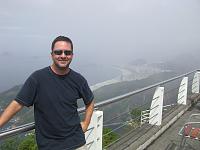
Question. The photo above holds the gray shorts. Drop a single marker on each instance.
(84, 147)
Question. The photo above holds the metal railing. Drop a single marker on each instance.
(27, 127)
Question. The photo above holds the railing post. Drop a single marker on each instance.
(182, 92)
(144, 116)
(155, 116)
(95, 130)
(195, 83)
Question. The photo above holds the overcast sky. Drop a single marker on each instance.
(103, 31)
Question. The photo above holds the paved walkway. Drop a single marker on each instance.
(170, 140)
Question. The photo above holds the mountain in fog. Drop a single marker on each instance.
(184, 62)
(138, 62)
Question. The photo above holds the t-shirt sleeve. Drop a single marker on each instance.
(27, 93)
(86, 93)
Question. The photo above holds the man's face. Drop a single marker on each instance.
(60, 57)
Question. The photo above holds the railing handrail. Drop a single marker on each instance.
(20, 129)
(31, 126)
(121, 97)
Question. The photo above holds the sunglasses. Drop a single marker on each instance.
(60, 52)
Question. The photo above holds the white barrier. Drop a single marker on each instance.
(155, 116)
(182, 93)
(95, 130)
(195, 83)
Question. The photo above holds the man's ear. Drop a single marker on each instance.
(51, 54)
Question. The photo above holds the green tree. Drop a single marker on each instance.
(29, 143)
(135, 118)
(9, 144)
(136, 113)
(109, 136)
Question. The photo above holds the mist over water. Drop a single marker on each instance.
(106, 33)
(96, 73)
(93, 73)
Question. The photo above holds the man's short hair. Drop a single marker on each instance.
(61, 38)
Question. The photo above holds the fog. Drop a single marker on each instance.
(105, 32)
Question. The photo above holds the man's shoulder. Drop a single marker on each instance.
(39, 72)
(76, 75)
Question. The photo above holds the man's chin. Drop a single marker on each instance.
(62, 66)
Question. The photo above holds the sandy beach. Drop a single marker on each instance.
(129, 73)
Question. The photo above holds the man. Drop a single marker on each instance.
(54, 91)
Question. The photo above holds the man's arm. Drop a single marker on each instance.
(9, 112)
(88, 114)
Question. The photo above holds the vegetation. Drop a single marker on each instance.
(29, 143)
(135, 118)
(17, 143)
(9, 144)
(109, 136)
(136, 113)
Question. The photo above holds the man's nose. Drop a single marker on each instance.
(63, 55)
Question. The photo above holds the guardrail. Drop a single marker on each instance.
(28, 127)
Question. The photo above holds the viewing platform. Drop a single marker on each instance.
(164, 137)
(171, 139)
(156, 117)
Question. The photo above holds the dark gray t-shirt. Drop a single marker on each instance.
(57, 123)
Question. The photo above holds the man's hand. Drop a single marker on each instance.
(88, 114)
(84, 126)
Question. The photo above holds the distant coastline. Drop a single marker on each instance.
(129, 73)
(99, 76)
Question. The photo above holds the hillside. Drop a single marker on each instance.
(22, 117)
(103, 93)
(117, 89)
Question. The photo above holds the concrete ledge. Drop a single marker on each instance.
(168, 121)
(163, 128)
(142, 137)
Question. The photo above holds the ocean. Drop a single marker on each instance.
(95, 74)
